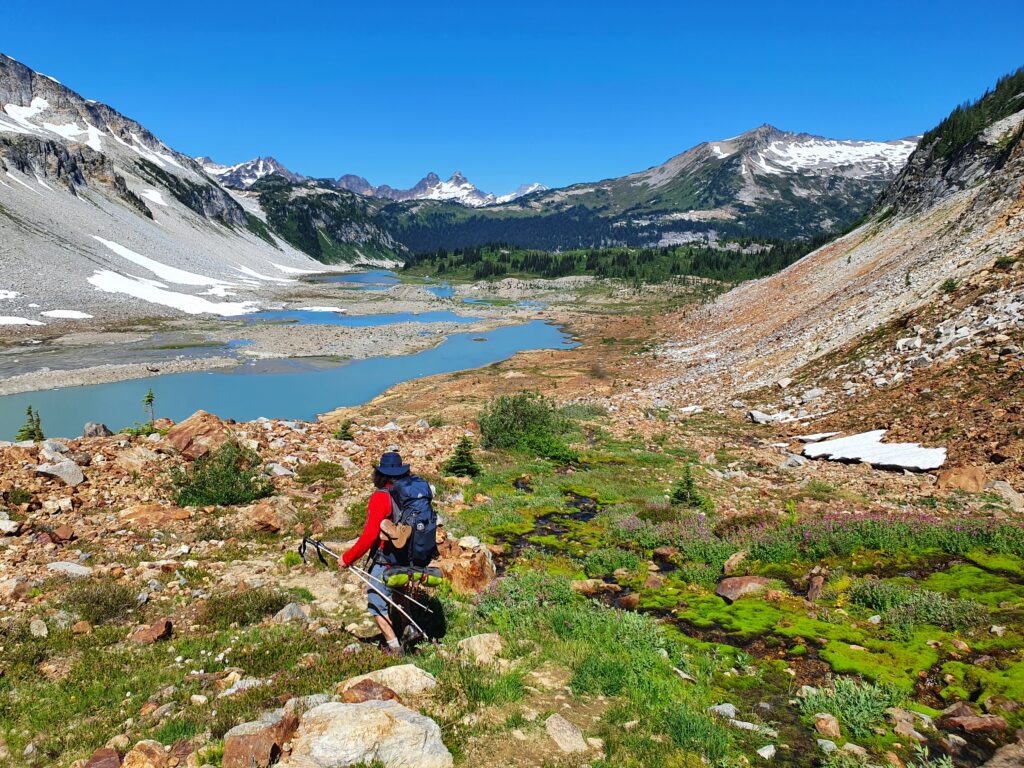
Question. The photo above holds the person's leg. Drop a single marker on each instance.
(379, 607)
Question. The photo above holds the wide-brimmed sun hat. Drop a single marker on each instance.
(391, 465)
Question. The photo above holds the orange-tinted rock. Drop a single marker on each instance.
(104, 758)
(269, 515)
(628, 602)
(146, 754)
(815, 586)
(199, 434)
(470, 572)
(153, 515)
(257, 744)
(369, 690)
(976, 723)
(63, 533)
(735, 587)
(160, 630)
(970, 479)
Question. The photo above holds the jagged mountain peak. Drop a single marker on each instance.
(244, 175)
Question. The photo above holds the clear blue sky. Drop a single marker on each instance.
(516, 91)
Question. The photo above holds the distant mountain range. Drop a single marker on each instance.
(457, 188)
(111, 215)
(765, 183)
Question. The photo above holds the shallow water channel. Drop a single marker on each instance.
(286, 389)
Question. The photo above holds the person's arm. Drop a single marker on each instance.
(377, 511)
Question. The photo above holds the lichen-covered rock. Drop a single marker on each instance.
(403, 679)
(337, 735)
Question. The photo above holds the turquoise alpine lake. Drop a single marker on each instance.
(306, 317)
(284, 389)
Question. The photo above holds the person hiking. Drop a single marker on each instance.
(400, 531)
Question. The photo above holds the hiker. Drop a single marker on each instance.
(400, 531)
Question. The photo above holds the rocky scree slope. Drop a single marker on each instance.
(944, 221)
(762, 183)
(99, 217)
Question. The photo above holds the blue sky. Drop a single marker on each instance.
(556, 92)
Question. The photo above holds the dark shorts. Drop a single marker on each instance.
(377, 605)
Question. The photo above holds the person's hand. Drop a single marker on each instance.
(341, 564)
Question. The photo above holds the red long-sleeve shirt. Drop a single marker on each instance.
(377, 511)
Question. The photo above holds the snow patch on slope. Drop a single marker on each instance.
(163, 271)
(112, 282)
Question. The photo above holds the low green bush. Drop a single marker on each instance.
(101, 602)
(605, 561)
(904, 609)
(229, 475)
(858, 705)
(246, 607)
(344, 432)
(526, 423)
(325, 471)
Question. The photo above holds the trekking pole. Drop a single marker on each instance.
(321, 547)
(392, 603)
(408, 597)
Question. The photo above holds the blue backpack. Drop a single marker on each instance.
(411, 505)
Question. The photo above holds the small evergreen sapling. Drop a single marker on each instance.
(685, 493)
(344, 432)
(147, 403)
(462, 463)
(32, 429)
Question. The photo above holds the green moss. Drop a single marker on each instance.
(1002, 563)
(973, 583)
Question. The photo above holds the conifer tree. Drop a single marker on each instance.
(462, 463)
(32, 429)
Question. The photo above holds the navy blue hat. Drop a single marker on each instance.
(391, 465)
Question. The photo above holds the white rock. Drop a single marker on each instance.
(483, 649)
(65, 470)
(767, 752)
(291, 613)
(725, 710)
(567, 736)
(74, 570)
(37, 628)
(336, 735)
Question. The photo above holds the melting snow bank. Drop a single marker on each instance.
(7, 320)
(868, 447)
(111, 282)
(339, 310)
(66, 314)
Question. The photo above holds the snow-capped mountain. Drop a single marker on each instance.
(457, 189)
(244, 175)
(103, 219)
(521, 191)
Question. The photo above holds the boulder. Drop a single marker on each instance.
(404, 679)
(67, 471)
(104, 757)
(258, 744)
(146, 754)
(567, 736)
(733, 588)
(976, 723)
(469, 571)
(629, 602)
(1009, 756)
(160, 630)
(37, 628)
(815, 586)
(96, 429)
(336, 735)
(970, 479)
(368, 690)
(9, 527)
(271, 515)
(827, 725)
(74, 570)
(199, 434)
(291, 613)
(483, 649)
(153, 515)
(136, 458)
(1010, 496)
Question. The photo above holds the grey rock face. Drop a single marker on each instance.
(95, 429)
(65, 470)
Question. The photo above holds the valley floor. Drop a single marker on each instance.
(882, 622)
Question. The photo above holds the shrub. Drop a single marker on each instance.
(101, 602)
(462, 463)
(685, 493)
(327, 471)
(246, 607)
(904, 609)
(857, 705)
(949, 285)
(229, 475)
(291, 559)
(605, 561)
(344, 432)
(525, 422)
(529, 590)
(18, 496)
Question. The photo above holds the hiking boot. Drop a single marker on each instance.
(410, 635)
(394, 652)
